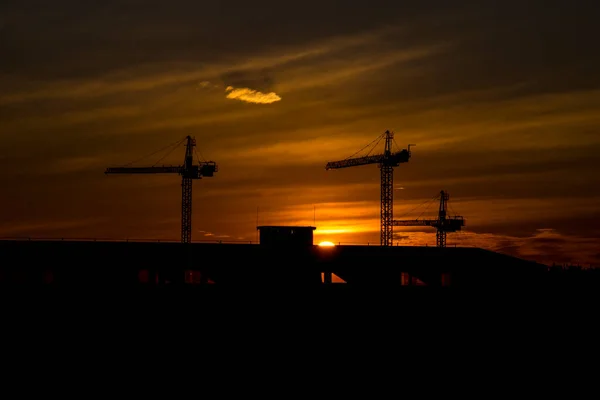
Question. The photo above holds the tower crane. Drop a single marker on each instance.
(443, 223)
(188, 171)
(386, 161)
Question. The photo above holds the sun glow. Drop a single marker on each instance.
(326, 244)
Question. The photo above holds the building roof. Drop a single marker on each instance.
(285, 227)
(363, 265)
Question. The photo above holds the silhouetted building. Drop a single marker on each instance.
(286, 235)
(302, 264)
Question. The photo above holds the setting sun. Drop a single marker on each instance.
(326, 244)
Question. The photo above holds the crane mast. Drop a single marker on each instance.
(387, 192)
(188, 171)
(386, 162)
(186, 193)
(443, 223)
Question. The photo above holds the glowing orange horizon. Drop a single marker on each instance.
(326, 244)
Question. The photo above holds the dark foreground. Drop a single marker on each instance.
(208, 268)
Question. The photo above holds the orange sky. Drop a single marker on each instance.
(504, 109)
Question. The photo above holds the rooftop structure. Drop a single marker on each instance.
(286, 235)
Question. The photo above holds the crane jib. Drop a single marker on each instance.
(167, 169)
(393, 159)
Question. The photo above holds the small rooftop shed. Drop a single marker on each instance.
(286, 235)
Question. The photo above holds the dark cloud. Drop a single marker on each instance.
(400, 237)
(582, 223)
(41, 39)
(546, 246)
(112, 35)
(262, 80)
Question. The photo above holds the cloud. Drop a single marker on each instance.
(251, 96)
(546, 246)
(401, 237)
(349, 70)
(45, 229)
(260, 79)
(257, 70)
(238, 92)
(211, 235)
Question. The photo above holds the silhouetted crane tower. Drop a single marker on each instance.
(386, 161)
(188, 171)
(443, 223)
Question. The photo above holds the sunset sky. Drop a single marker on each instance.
(502, 99)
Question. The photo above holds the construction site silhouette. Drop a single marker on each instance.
(286, 256)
